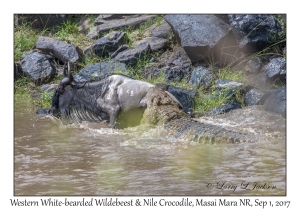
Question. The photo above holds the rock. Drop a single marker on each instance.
(155, 43)
(99, 71)
(227, 88)
(228, 84)
(226, 107)
(42, 21)
(177, 66)
(276, 68)
(201, 77)
(130, 57)
(184, 96)
(97, 31)
(255, 31)
(48, 87)
(253, 66)
(43, 111)
(252, 97)
(204, 35)
(105, 17)
(120, 49)
(62, 50)
(276, 102)
(107, 44)
(38, 67)
(163, 31)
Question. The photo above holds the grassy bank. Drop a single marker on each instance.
(25, 38)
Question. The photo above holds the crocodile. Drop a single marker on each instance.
(164, 111)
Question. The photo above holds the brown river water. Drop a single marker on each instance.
(93, 159)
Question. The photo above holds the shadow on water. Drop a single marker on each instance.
(93, 159)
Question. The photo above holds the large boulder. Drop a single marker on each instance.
(38, 67)
(41, 21)
(204, 36)
(255, 31)
(201, 77)
(99, 71)
(107, 44)
(276, 102)
(130, 56)
(117, 24)
(62, 50)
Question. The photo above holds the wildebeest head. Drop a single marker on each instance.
(68, 78)
(73, 105)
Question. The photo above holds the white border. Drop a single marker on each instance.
(154, 7)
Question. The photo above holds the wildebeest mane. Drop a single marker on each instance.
(84, 106)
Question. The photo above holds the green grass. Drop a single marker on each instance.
(24, 40)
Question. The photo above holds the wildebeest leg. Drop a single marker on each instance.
(113, 116)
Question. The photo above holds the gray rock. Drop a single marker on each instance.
(99, 71)
(255, 31)
(107, 44)
(41, 21)
(38, 67)
(130, 57)
(201, 76)
(275, 68)
(97, 31)
(48, 87)
(252, 97)
(155, 43)
(226, 107)
(253, 66)
(105, 17)
(163, 31)
(228, 84)
(200, 35)
(227, 87)
(177, 66)
(276, 102)
(62, 50)
(120, 49)
(184, 96)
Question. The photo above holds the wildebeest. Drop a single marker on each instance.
(116, 97)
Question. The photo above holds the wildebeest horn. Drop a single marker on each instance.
(67, 78)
